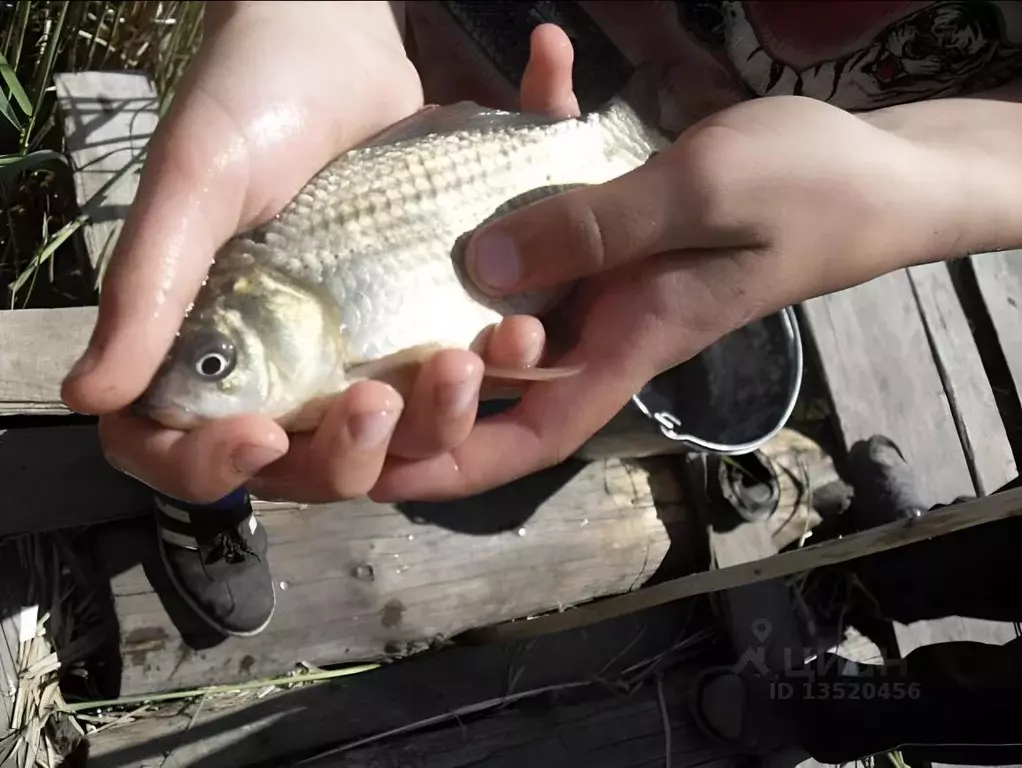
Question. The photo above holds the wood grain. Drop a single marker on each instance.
(361, 581)
(876, 360)
(39, 347)
(108, 119)
(597, 730)
(970, 396)
(940, 522)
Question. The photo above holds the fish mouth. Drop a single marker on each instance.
(168, 416)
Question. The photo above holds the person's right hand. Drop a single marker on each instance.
(276, 91)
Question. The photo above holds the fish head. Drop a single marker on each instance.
(254, 342)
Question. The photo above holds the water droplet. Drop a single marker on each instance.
(585, 522)
(283, 586)
(521, 531)
(396, 555)
(411, 537)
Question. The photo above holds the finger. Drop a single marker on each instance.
(579, 233)
(200, 466)
(343, 458)
(442, 406)
(552, 420)
(517, 342)
(546, 82)
(702, 193)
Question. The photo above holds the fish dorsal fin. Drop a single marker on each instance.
(462, 116)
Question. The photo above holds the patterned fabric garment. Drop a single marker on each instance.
(709, 54)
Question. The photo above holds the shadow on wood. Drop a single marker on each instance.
(230, 732)
(359, 581)
(507, 508)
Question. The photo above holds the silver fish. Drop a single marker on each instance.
(361, 275)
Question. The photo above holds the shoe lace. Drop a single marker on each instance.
(230, 547)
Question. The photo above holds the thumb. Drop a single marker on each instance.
(181, 214)
(546, 82)
(579, 233)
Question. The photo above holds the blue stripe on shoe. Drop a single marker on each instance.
(236, 498)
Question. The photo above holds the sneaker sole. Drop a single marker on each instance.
(198, 610)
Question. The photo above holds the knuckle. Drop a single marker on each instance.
(713, 161)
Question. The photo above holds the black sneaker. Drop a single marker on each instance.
(215, 556)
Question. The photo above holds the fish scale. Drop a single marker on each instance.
(364, 263)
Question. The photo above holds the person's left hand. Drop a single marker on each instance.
(758, 207)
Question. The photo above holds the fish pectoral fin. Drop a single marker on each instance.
(399, 369)
(534, 374)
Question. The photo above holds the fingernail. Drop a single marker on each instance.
(496, 260)
(369, 430)
(249, 459)
(454, 398)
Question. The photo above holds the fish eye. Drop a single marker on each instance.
(215, 357)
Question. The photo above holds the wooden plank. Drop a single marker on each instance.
(876, 360)
(108, 120)
(899, 360)
(239, 730)
(999, 276)
(971, 398)
(605, 731)
(940, 522)
(361, 581)
(40, 346)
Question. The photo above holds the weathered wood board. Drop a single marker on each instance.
(362, 581)
(970, 395)
(109, 118)
(900, 360)
(872, 345)
(999, 279)
(833, 551)
(430, 685)
(40, 346)
(597, 731)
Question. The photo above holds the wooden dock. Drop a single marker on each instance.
(931, 357)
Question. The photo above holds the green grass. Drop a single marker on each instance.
(40, 260)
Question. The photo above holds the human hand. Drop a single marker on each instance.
(758, 207)
(276, 91)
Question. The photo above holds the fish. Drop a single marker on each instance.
(362, 274)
